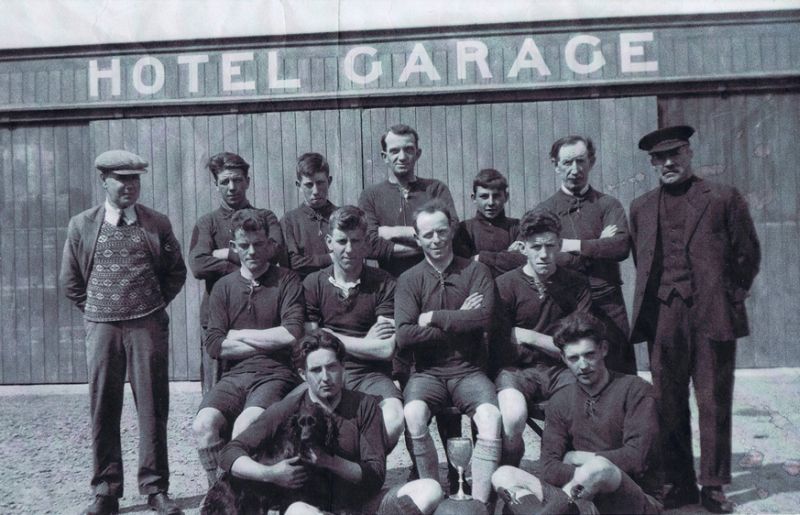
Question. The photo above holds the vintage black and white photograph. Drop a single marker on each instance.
(398, 257)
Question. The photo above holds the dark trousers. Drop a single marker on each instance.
(678, 354)
(140, 347)
(610, 308)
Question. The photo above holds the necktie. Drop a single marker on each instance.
(122, 220)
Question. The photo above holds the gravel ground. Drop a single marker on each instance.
(46, 460)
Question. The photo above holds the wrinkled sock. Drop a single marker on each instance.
(485, 459)
(513, 450)
(208, 460)
(424, 452)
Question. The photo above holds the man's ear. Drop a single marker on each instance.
(328, 242)
(330, 179)
(472, 195)
(604, 348)
(297, 183)
(232, 246)
(302, 373)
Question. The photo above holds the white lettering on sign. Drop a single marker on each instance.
(362, 64)
(627, 50)
(597, 61)
(193, 62)
(472, 51)
(375, 69)
(419, 62)
(158, 75)
(529, 57)
(272, 72)
(231, 70)
(95, 74)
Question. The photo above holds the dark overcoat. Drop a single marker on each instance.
(723, 253)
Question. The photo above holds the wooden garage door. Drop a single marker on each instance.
(48, 177)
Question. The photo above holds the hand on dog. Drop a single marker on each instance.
(316, 456)
(289, 473)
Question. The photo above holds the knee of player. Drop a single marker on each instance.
(243, 421)
(513, 409)
(487, 418)
(599, 463)
(416, 414)
(393, 416)
(426, 494)
(599, 471)
(207, 424)
(503, 476)
(301, 508)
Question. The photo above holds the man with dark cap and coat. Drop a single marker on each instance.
(122, 266)
(696, 253)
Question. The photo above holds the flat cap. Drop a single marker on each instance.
(666, 138)
(121, 162)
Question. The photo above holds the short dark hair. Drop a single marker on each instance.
(434, 205)
(249, 220)
(538, 221)
(571, 140)
(577, 326)
(227, 161)
(490, 179)
(400, 129)
(315, 340)
(310, 163)
(347, 218)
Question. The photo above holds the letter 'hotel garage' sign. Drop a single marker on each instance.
(378, 66)
(401, 64)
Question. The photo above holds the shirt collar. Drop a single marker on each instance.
(228, 210)
(248, 276)
(113, 213)
(435, 270)
(324, 212)
(393, 179)
(497, 220)
(345, 288)
(581, 194)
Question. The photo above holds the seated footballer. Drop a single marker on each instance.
(354, 473)
(600, 449)
(255, 315)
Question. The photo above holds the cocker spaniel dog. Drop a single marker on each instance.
(309, 429)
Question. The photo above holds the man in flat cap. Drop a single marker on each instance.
(210, 255)
(696, 254)
(122, 266)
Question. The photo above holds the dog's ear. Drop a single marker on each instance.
(292, 430)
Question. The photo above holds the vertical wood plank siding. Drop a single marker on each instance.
(46, 174)
(750, 142)
(47, 177)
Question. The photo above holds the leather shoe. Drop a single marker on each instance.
(713, 499)
(162, 504)
(681, 495)
(103, 505)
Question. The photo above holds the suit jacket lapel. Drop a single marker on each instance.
(698, 201)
